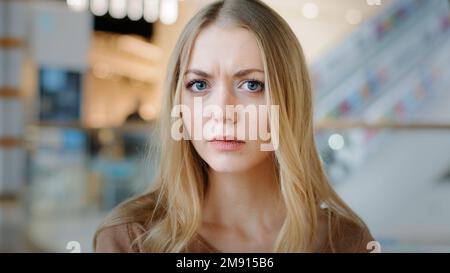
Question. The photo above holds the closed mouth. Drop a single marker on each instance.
(227, 140)
(227, 145)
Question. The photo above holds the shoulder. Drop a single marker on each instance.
(121, 238)
(352, 237)
(346, 236)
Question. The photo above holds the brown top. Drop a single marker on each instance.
(120, 238)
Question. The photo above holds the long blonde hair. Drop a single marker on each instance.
(174, 203)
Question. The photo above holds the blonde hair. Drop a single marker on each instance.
(174, 203)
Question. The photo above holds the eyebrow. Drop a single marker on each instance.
(238, 74)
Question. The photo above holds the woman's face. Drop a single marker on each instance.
(226, 68)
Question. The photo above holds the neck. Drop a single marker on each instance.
(246, 201)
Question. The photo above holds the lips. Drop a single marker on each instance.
(225, 138)
(227, 144)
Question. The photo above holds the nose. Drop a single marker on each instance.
(224, 98)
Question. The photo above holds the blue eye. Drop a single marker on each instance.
(197, 86)
(253, 86)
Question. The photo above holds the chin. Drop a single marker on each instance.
(222, 164)
(227, 169)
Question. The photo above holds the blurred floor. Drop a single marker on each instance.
(13, 236)
(18, 233)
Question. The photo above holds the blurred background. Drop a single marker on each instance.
(80, 83)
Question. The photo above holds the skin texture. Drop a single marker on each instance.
(243, 210)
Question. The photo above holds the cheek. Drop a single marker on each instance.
(255, 126)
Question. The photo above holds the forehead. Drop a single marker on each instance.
(225, 47)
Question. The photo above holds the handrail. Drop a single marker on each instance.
(353, 124)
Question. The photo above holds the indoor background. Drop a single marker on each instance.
(80, 84)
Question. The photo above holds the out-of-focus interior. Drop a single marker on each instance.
(80, 88)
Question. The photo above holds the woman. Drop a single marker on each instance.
(224, 193)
